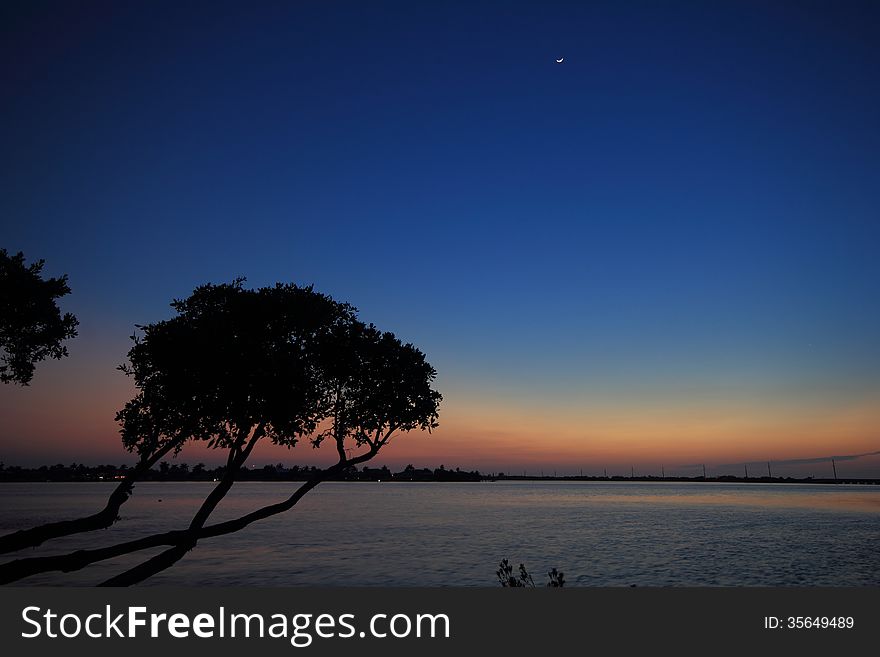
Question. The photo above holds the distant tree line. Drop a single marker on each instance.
(78, 472)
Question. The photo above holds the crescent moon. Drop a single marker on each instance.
(559, 61)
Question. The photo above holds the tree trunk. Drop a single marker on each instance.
(20, 568)
(169, 557)
(104, 518)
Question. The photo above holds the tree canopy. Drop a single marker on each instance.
(230, 360)
(32, 327)
(379, 385)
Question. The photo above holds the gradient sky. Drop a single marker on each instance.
(662, 251)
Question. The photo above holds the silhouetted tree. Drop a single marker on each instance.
(31, 324)
(369, 385)
(237, 366)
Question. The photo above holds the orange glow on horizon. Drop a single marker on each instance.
(65, 421)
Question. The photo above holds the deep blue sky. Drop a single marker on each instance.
(686, 207)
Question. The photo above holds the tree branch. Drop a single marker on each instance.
(101, 520)
(20, 568)
(238, 456)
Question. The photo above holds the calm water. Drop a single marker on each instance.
(440, 534)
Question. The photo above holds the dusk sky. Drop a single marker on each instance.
(663, 250)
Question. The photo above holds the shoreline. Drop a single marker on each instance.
(861, 481)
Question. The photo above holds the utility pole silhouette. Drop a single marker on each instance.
(704, 471)
(769, 474)
(834, 467)
(747, 470)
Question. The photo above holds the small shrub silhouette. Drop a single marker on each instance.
(508, 579)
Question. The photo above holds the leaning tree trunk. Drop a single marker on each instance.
(20, 568)
(171, 556)
(35, 536)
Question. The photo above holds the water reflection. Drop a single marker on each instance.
(432, 534)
